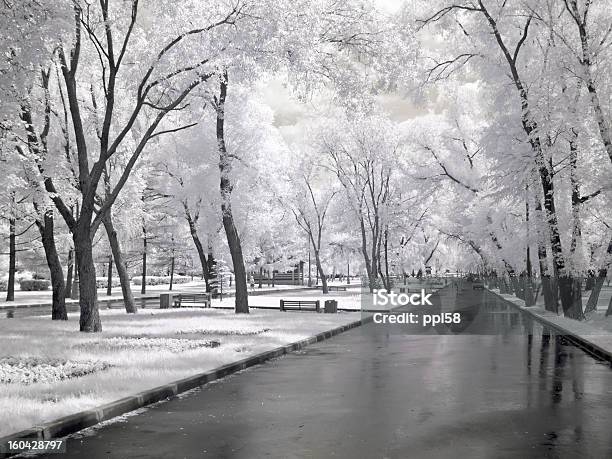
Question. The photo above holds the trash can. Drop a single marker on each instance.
(331, 306)
(165, 300)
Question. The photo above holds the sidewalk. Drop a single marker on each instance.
(597, 339)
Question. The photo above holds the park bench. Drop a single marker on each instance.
(300, 305)
(192, 298)
(337, 288)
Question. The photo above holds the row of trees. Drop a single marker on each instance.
(90, 88)
(454, 134)
(535, 139)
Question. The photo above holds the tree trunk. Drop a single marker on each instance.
(69, 271)
(74, 294)
(122, 272)
(594, 296)
(387, 282)
(109, 277)
(10, 290)
(211, 263)
(348, 272)
(231, 233)
(549, 285)
(570, 292)
(233, 240)
(603, 273)
(88, 293)
(172, 272)
(143, 286)
(364, 250)
(528, 285)
(192, 221)
(567, 285)
(587, 64)
(325, 288)
(572, 307)
(46, 228)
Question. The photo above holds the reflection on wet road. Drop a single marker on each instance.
(515, 390)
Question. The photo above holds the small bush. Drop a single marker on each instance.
(102, 282)
(3, 285)
(34, 285)
(159, 280)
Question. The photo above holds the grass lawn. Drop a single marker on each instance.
(49, 370)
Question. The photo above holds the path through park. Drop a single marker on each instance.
(508, 391)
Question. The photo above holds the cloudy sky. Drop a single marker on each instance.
(291, 115)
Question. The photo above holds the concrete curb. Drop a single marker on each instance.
(580, 341)
(73, 423)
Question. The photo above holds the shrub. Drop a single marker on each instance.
(159, 280)
(33, 285)
(3, 285)
(102, 282)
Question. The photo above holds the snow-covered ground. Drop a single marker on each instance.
(351, 299)
(49, 370)
(597, 318)
(22, 297)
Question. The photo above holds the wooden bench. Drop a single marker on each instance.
(192, 298)
(300, 305)
(337, 288)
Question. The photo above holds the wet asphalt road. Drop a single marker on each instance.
(513, 391)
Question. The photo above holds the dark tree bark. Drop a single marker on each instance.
(192, 221)
(385, 275)
(75, 290)
(172, 271)
(212, 263)
(528, 285)
(143, 287)
(594, 296)
(549, 285)
(10, 290)
(122, 272)
(109, 277)
(372, 275)
(46, 229)
(348, 272)
(575, 307)
(69, 271)
(324, 287)
(88, 293)
(233, 239)
(601, 278)
(587, 63)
